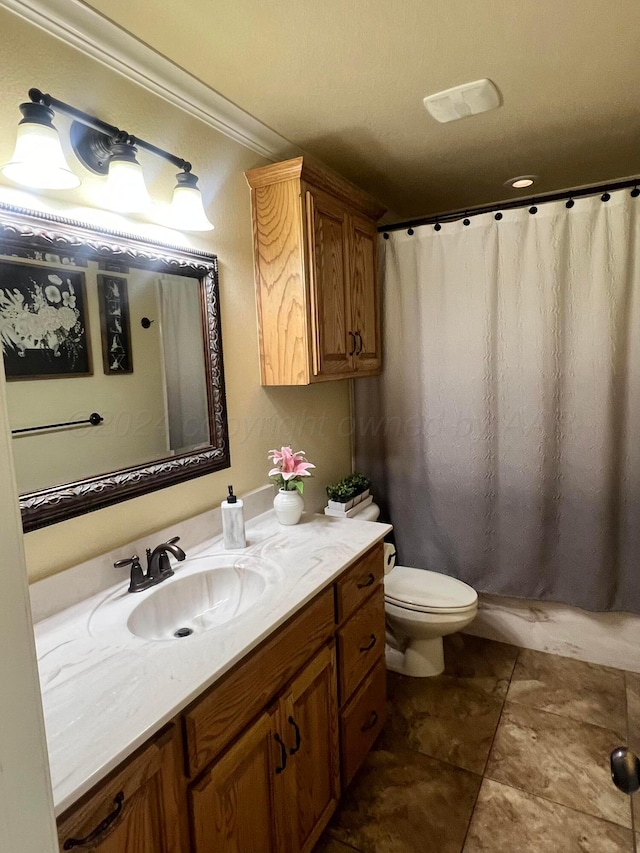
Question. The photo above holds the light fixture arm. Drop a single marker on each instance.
(93, 151)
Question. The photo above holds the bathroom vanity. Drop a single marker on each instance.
(239, 737)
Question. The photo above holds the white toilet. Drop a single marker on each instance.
(421, 608)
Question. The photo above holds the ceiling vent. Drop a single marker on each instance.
(462, 101)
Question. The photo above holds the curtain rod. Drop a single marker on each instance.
(453, 215)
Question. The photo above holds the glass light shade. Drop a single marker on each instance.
(126, 190)
(38, 160)
(186, 212)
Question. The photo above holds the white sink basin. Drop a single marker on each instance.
(196, 602)
(204, 593)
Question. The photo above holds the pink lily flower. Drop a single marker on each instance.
(289, 465)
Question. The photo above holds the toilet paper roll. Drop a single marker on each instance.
(389, 557)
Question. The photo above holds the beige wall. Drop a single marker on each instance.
(314, 419)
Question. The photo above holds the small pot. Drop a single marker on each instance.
(340, 506)
(288, 506)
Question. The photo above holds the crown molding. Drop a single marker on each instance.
(83, 28)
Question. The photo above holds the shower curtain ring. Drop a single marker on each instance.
(635, 192)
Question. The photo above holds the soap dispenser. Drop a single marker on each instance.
(233, 522)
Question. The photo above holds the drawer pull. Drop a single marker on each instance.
(298, 737)
(373, 719)
(368, 581)
(70, 843)
(361, 347)
(283, 753)
(354, 347)
(370, 645)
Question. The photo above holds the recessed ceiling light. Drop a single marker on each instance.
(521, 181)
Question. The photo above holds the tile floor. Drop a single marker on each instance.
(506, 752)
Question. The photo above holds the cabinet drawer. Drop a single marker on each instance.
(360, 643)
(213, 721)
(357, 582)
(361, 721)
(137, 807)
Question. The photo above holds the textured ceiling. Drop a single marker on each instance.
(345, 82)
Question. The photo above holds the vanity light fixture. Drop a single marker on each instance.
(38, 162)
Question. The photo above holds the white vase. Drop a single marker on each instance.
(288, 506)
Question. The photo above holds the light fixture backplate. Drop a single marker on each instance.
(91, 147)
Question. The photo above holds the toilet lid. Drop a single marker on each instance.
(419, 589)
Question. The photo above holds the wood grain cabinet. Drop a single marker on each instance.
(256, 762)
(275, 789)
(318, 304)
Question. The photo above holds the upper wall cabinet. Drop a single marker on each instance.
(315, 244)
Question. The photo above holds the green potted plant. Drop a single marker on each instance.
(348, 492)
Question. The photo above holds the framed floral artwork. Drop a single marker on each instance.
(113, 299)
(43, 322)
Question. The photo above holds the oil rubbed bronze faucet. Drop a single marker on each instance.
(158, 565)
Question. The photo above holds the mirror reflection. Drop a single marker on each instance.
(127, 345)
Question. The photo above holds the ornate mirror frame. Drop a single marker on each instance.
(29, 230)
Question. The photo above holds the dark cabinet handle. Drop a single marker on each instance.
(298, 737)
(353, 342)
(368, 581)
(370, 645)
(70, 843)
(373, 719)
(283, 753)
(361, 347)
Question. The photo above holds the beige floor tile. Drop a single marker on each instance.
(506, 820)
(559, 759)
(633, 709)
(445, 719)
(406, 802)
(486, 664)
(583, 691)
(454, 716)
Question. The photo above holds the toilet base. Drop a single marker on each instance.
(420, 658)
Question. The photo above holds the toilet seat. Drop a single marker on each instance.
(427, 592)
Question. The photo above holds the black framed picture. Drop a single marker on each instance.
(44, 329)
(113, 299)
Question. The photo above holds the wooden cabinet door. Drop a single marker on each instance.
(233, 804)
(365, 303)
(309, 724)
(137, 809)
(333, 341)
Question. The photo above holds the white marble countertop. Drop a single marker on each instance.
(105, 693)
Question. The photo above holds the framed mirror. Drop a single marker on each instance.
(113, 356)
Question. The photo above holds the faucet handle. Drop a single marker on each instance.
(138, 581)
(120, 564)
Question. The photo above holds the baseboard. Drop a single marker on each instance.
(610, 639)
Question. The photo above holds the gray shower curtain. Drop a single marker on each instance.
(503, 436)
